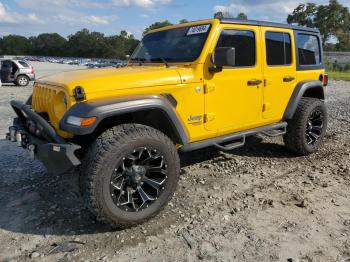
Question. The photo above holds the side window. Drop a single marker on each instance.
(24, 64)
(244, 43)
(278, 48)
(309, 51)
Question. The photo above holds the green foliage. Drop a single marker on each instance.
(303, 15)
(219, 15)
(81, 44)
(336, 75)
(227, 14)
(333, 20)
(48, 44)
(157, 25)
(183, 21)
(242, 16)
(347, 68)
(14, 44)
(336, 66)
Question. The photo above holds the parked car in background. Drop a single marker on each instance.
(16, 71)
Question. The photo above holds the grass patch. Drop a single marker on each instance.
(336, 75)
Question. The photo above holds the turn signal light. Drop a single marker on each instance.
(78, 121)
(88, 121)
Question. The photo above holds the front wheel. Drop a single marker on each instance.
(129, 174)
(306, 130)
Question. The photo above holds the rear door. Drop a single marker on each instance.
(279, 71)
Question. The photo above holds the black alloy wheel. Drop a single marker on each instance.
(129, 174)
(314, 127)
(138, 180)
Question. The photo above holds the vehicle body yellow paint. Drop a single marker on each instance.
(208, 104)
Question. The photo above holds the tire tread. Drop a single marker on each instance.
(294, 138)
(111, 138)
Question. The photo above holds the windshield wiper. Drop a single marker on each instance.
(138, 60)
(161, 59)
(142, 60)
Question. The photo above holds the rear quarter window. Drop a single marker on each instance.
(24, 64)
(309, 51)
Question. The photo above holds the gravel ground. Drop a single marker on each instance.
(257, 203)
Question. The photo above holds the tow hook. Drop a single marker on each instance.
(31, 149)
(15, 135)
(12, 134)
(19, 139)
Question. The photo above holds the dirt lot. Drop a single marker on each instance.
(257, 203)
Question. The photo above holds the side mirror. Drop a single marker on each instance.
(223, 56)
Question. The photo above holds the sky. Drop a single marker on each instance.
(32, 17)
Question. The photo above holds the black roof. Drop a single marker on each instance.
(263, 23)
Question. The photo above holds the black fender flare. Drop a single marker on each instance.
(299, 92)
(110, 107)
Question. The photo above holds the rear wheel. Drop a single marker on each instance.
(129, 174)
(22, 80)
(306, 130)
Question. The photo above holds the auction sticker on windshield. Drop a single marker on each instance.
(200, 29)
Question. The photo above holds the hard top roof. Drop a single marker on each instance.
(270, 24)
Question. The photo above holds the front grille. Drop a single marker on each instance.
(43, 97)
(44, 101)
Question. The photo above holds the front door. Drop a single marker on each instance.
(279, 71)
(233, 99)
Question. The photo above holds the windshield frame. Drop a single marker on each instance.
(134, 60)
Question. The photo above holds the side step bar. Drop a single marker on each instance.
(232, 141)
(276, 132)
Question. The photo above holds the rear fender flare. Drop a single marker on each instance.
(312, 88)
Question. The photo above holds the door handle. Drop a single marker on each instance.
(288, 79)
(254, 82)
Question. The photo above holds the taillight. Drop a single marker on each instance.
(325, 80)
(33, 72)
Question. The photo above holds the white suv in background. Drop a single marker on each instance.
(16, 71)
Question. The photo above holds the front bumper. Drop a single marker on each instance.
(33, 132)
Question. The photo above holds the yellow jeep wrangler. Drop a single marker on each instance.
(186, 87)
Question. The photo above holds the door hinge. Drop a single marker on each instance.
(209, 117)
(209, 88)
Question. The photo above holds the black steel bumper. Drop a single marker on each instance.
(33, 132)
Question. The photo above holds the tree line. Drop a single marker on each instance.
(332, 19)
(81, 44)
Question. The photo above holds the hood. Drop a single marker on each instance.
(108, 79)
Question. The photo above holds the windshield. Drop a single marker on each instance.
(183, 44)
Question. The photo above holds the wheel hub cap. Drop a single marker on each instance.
(314, 127)
(137, 173)
(138, 180)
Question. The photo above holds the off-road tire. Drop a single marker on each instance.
(22, 80)
(295, 139)
(100, 161)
